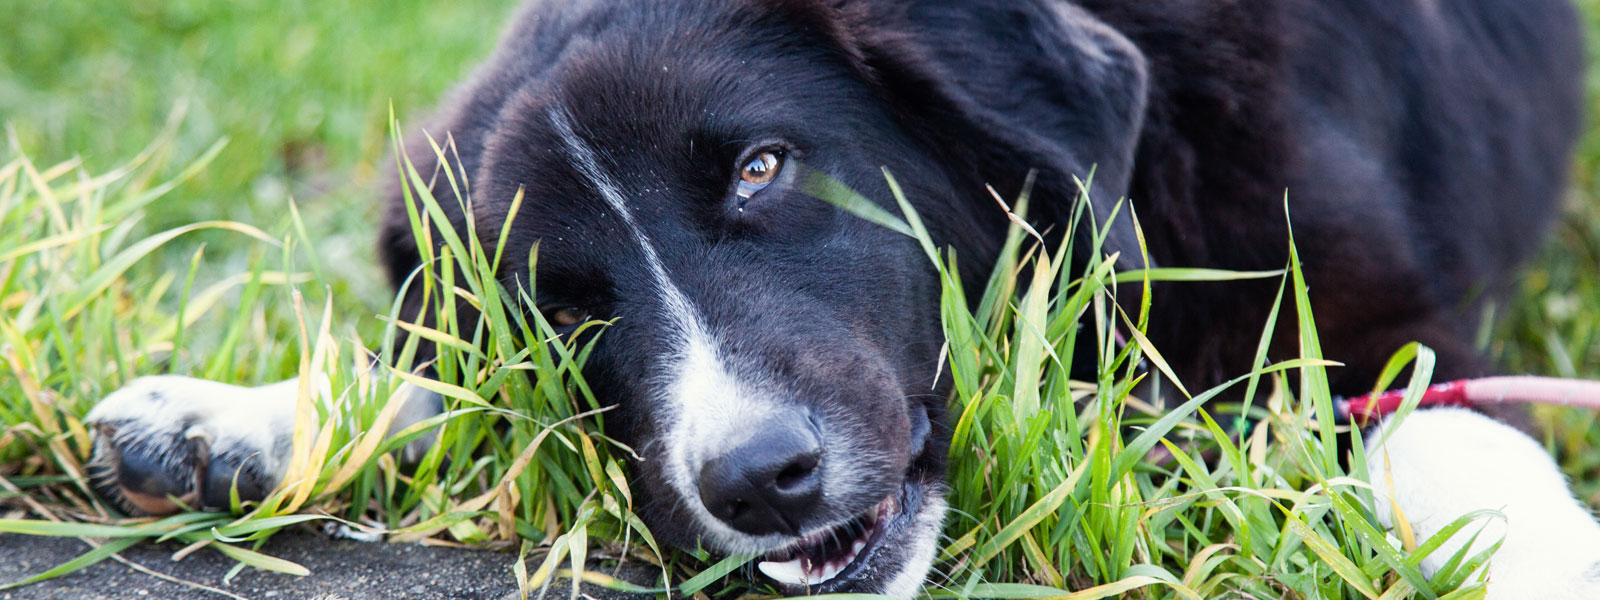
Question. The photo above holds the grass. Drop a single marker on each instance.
(114, 264)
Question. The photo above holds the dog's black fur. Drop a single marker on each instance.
(1422, 146)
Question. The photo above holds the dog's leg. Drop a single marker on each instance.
(1440, 464)
(164, 441)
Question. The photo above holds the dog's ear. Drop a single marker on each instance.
(1002, 87)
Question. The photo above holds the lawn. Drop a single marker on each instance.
(186, 186)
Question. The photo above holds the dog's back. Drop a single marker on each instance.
(1437, 138)
(1421, 146)
(1466, 111)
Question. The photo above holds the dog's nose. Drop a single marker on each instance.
(771, 482)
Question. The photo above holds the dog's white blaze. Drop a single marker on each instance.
(923, 536)
(589, 165)
(1448, 462)
(714, 404)
(710, 408)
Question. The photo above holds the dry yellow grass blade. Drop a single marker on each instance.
(1197, 563)
(308, 456)
(1125, 585)
(1402, 523)
(444, 389)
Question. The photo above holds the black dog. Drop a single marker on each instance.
(771, 356)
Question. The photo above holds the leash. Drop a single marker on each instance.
(1365, 410)
(1469, 393)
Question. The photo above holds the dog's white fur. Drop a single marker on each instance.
(1447, 462)
(924, 541)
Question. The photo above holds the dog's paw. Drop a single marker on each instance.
(165, 442)
(1441, 464)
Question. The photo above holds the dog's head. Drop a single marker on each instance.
(773, 358)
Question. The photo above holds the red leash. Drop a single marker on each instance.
(1363, 410)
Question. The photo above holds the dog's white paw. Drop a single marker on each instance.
(165, 440)
(1449, 462)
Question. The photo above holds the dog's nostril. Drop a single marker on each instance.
(796, 474)
(921, 425)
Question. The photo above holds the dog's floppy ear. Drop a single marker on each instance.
(1005, 86)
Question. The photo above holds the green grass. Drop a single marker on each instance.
(104, 276)
(299, 90)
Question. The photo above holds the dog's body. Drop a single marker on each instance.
(661, 147)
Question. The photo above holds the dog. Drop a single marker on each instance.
(770, 356)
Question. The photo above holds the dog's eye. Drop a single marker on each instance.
(759, 172)
(567, 316)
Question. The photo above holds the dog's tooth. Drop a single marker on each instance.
(855, 549)
(830, 570)
(791, 572)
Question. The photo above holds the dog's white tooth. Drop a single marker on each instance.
(830, 570)
(855, 549)
(791, 572)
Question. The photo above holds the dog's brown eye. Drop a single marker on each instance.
(761, 169)
(759, 172)
(570, 316)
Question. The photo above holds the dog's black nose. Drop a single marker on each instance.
(770, 483)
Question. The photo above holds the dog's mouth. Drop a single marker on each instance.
(824, 556)
(863, 554)
(858, 554)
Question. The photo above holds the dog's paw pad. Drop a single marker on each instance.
(165, 443)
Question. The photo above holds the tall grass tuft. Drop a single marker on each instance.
(1052, 482)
